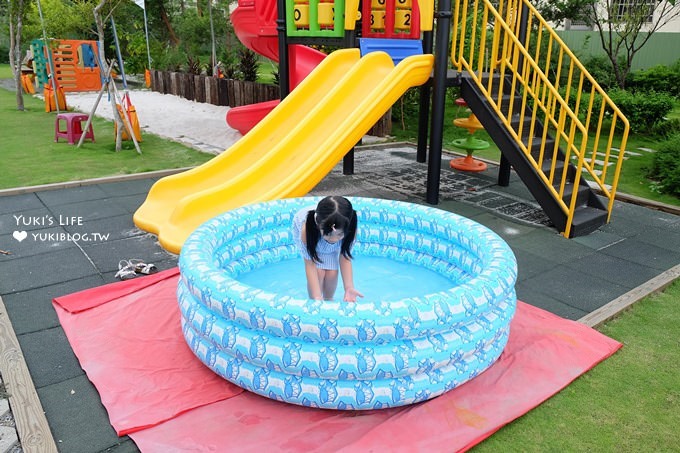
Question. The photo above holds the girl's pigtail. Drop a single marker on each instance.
(348, 240)
(312, 235)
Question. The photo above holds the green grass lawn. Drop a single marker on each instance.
(31, 157)
(628, 403)
(6, 72)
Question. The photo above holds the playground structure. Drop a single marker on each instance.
(75, 64)
(511, 75)
(256, 29)
(314, 22)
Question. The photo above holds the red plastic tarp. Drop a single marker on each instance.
(153, 387)
(128, 339)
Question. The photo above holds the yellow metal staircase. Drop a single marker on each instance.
(554, 124)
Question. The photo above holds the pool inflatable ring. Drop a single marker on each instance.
(337, 355)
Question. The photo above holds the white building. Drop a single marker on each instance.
(658, 10)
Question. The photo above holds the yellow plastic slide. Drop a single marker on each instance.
(291, 150)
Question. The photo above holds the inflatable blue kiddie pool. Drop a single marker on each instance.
(386, 350)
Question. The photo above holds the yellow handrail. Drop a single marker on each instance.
(511, 49)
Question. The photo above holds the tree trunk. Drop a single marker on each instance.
(620, 37)
(105, 69)
(15, 50)
(168, 25)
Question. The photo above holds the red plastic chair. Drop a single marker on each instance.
(74, 127)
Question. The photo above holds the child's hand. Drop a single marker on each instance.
(351, 295)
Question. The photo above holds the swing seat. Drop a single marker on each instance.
(74, 128)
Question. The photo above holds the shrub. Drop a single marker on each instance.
(229, 63)
(193, 65)
(171, 60)
(643, 109)
(4, 54)
(667, 128)
(601, 70)
(248, 64)
(406, 110)
(407, 107)
(666, 166)
(661, 78)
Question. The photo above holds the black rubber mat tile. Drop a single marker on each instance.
(466, 210)
(531, 295)
(613, 269)
(549, 245)
(87, 211)
(508, 229)
(12, 204)
(125, 188)
(32, 310)
(35, 242)
(598, 240)
(77, 418)
(49, 356)
(21, 274)
(582, 290)
(645, 216)
(131, 202)
(26, 219)
(661, 237)
(648, 255)
(108, 229)
(530, 265)
(53, 198)
(342, 185)
(107, 255)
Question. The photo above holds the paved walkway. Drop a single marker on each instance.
(74, 238)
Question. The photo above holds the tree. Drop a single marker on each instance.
(625, 26)
(556, 11)
(63, 20)
(17, 14)
(160, 8)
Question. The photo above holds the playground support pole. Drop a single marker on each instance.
(441, 63)
(49, 59)
(120, 58)
(284, 77)
(142, 4)
(424, 108)
(104, 87)
(146, 34)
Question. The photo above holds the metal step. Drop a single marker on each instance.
(590, 212)
(586, 220)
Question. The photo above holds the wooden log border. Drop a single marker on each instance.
(231, 93)
(32, 427)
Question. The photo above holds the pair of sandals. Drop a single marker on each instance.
(129, 269)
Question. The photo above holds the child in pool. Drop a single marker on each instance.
(325, 236)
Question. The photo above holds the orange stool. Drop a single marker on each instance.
(74, 128)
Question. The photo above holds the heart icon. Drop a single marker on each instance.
(20, 235)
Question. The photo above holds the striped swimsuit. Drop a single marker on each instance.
(329, 253)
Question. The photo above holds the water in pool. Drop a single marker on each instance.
(376, 277)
